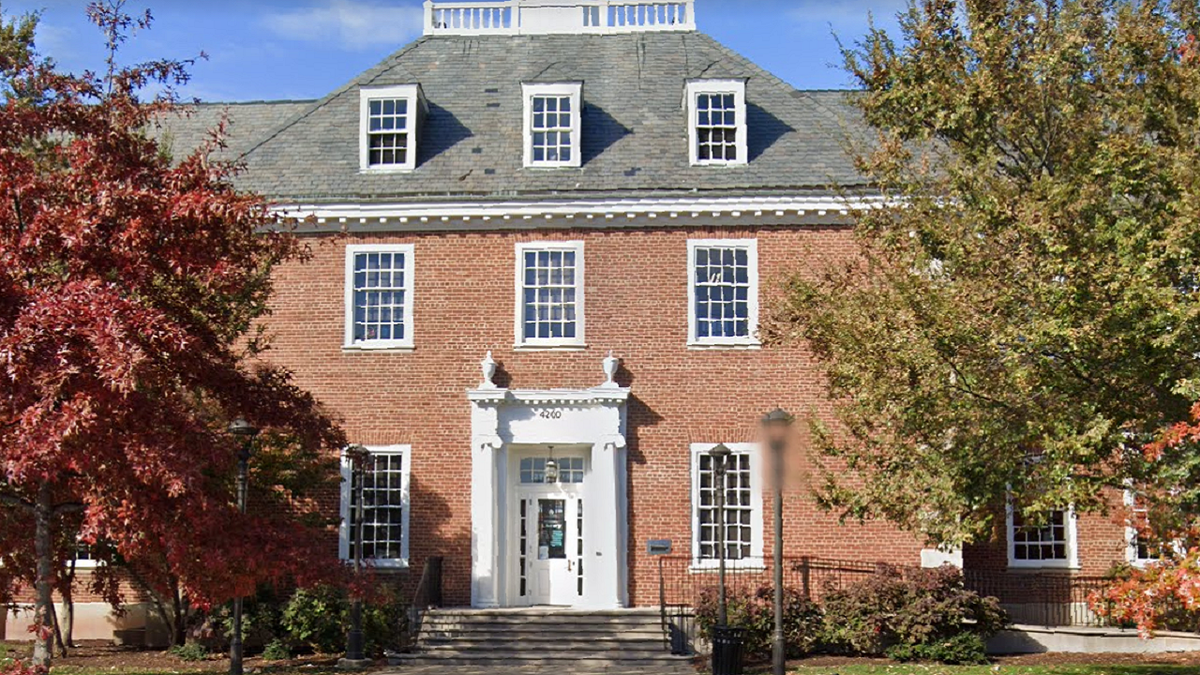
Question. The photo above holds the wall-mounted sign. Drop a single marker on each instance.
(658, 547)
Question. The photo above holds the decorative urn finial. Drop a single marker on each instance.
(488, 365)
(611, 363)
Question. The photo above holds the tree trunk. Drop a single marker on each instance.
(179, 629)
(43, 611)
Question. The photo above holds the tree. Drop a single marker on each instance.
(1022, 317)
(131, 289)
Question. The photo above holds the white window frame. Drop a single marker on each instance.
(577, 342)
(405, 452)
(574, 90)
(755, 561)
(409, 342)
(416, 110)
(695, 89)
(1072, 559)
(751, 341)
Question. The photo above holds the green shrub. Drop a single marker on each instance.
(317, 619)
(192, 651)
(314, 619)
(964, 649)
(277, 650)
(753, 612)
(908, 612)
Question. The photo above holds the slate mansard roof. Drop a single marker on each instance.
(635, 134)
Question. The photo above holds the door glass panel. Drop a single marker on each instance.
(552, 529)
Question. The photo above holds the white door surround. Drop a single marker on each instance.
(510, 424)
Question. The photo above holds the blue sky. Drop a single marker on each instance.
(276, 49)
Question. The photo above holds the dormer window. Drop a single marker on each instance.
(552, 125)
(717, 122)
(391, 118)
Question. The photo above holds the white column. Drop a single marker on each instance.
(605, 527)
(486, 496)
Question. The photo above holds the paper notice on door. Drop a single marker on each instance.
(556, 539)
(543, 553)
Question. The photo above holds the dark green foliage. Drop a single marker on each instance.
(753, 611)
(277, 650)
(910, 611)
(962, 649)
(907, 615)
(191, 651)
(313, 619)
(317, 620)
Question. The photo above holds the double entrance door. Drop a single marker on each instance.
(550, 546)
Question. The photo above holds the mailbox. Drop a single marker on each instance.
(658, 547)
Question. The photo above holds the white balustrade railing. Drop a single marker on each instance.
(532, 17)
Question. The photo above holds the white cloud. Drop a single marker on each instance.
(353, 23)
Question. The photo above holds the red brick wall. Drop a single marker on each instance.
(636, 305)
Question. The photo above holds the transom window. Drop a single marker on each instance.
(379, 296)
(385, 478)
(743, 507)
(717, 122)
(570, 470)
(1046, 542)
(387, 132)
(724, 292)
(391, 118)
(553, 125)
(552, 129)
(550, 294)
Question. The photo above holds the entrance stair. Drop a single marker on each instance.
(562, 640)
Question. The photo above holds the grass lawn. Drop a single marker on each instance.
(1001, 669)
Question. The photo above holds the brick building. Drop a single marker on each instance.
(542, 235)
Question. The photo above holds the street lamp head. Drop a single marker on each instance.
(776, 424)
(720, 456)
(242, 429)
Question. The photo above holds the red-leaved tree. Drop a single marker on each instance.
(131, 283)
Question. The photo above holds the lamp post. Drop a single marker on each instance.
(776, 425)
(720, 456)
(244, 431)
(355, 658)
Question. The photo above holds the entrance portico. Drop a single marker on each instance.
(536, 541)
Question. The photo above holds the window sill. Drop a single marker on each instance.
(384, 348)
(718, 165)
(563, 347)
(382, 565)
(1043, 565)
(751, 566)
(743, 345)
(385, 170)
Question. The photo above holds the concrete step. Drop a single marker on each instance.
(545, 647)
(618, 629)
(573, 663)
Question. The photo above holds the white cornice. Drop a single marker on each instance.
(571, 213)
(550, 397)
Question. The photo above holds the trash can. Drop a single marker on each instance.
(727, 646)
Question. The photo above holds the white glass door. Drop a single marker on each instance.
(552, 547)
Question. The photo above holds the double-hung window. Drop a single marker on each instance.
(717, 122)
(1046, 541)
(553, 125)
(390, 120)
(1142, 550)
(384, 477)
(550, 294)
(743, 535)
(379, 296)
(723, 293)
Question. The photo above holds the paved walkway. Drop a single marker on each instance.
(672, 669)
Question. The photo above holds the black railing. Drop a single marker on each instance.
(1033, 598)
(427, 595)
